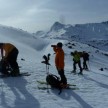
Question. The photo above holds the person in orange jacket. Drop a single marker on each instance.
(9, 54)
(59, 61)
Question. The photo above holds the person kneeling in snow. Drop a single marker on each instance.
(9, 55)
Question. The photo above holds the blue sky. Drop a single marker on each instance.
(34, 15)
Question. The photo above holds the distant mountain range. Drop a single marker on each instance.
(95, 34)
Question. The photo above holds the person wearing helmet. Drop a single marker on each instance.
(59, 62)
(9, 54)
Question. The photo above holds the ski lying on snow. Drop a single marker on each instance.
(75, 73)
(21, 74)
(25, 74)
(78, 73)
(45, 88)
(44, 82)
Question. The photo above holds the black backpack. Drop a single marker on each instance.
(54, 82)
(86, 56)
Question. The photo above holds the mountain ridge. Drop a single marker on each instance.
(90, 33)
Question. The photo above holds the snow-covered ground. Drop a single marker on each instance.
(22, 92)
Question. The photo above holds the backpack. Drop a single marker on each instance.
(86, 56)
(54, 82)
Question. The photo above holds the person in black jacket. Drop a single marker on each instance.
(85, 56)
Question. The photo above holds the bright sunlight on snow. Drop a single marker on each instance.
(23, 92)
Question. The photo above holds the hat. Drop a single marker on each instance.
(59, 44)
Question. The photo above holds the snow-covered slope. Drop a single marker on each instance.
(22, 92)
(10, 34)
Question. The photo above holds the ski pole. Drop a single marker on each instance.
(46, 58)
(47, 63)
(47, 66)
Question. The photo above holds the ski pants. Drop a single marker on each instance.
(85, 64)
(62, 75)
(12, 59)
(79, 64)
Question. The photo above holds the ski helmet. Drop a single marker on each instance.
(59, 44)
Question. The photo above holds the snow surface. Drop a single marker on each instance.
(23, 92)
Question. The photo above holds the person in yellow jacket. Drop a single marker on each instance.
(9, 54)
(76, 60)
(59, 61)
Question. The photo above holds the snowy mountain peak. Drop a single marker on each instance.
(56, 26)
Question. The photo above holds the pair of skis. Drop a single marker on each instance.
(42, 86)
(21, 74)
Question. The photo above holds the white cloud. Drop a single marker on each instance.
(18, 13)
